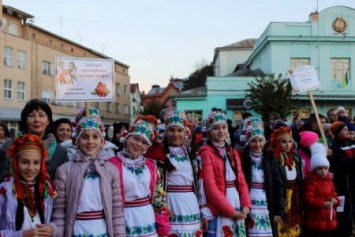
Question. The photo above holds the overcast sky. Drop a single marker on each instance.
(163, 38)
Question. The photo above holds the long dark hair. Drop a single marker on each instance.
(6, 130)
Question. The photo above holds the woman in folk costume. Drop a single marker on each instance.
(108, 149)
(227, 194)
(89, 201)
(180, 174)
(287, 167)
(145, 208)
(257, 168)
(26, 198)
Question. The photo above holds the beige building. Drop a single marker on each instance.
(27, 71)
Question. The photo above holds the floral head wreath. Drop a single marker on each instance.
(215, 118)
(82, 113)
(89, 123)
(25, 143)
(177, 118)
(255, 128)
(141, 128)
(280, 131)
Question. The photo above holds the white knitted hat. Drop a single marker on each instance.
(319, 156)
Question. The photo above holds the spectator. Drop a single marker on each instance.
(332, 115)
(274, 118)
(342, 116)
(119, 129)
(62, 129)
(36, 118)
(4, 133)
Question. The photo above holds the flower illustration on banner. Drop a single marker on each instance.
(101, 90)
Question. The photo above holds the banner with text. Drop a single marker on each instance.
(84, 79)
(303, 79)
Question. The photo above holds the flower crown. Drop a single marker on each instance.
(215, 118)
(90, 123)
(176, 118)
(279, 132)
(82, 113)
(141, 128)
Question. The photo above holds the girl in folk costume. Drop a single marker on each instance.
(227, 194)
(257, 168)
(287, 182)
(89, 201)
(138, 182)
(26, 197)
(180, 173)
(320, 197)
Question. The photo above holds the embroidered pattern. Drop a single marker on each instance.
(85, 235)
(91, 172)
(178, 158)
(260, 222)
(193, 218)
(136, 166)
(140, 230)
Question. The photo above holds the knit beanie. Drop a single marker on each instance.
(341, 108)
(336, 127)
(307, 138)
(318, 156)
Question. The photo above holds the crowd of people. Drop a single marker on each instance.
(170, 176)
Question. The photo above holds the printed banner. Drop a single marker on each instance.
(303, 79)
(84, 79)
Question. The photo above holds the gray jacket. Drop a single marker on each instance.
(69, 179)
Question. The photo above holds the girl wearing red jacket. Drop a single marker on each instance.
(319, 195)
(227, 195)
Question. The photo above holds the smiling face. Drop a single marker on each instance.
(219, 132)
(175, 135)
(29, 165)
(63, 132)
(90, 142)
(256, 144)
(136, 145)
(37, 121)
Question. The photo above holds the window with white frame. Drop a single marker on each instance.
(46, 68)
(21, 60)
(117, 110)
(46, 96)
(108, 107)
(20, 90)
(299, 62)
(8, 56)
(13, 28)
(125, 109)
(117, 88)
(125, 89)
(340, 69)
(7, 89)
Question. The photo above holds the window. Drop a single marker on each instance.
(340, 70)
(125, 109)
(301, 113)
(108, 107)
(13, 28)
(21, 60)
(125, 89)
(97, 105)
(7, 89)
(117, 88)
(46, 68)
(20, 90)
(118, 108)
(46, 96)
(299, 62)
(8, 56)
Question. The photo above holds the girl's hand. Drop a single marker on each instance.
(327, 204)
(239, 215)
(245, 210)
(40, 231)
(333, 200)
(277, 218)
(204, 225)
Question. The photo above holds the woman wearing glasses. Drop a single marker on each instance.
(36, 118)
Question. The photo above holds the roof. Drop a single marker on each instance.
(17, 13)
(195, 92)
(156, 90)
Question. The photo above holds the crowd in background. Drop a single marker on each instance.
(174, 176)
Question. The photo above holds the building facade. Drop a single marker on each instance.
(27, 70)
(135, 102)
(326, 41)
